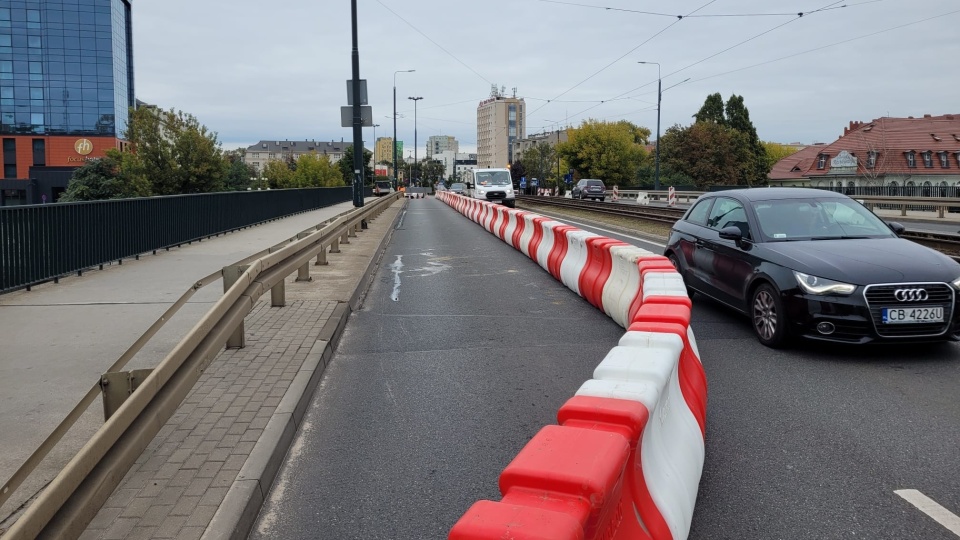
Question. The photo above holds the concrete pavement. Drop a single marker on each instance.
(59, 338)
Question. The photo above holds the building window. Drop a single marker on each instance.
(33, 18)
(821, 161)
(928, 159)
(39, 153)
(6, 69)
(9, 158)
(944, 160)
(912, 159)
(871, 159)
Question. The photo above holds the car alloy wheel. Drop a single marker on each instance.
(769, 322)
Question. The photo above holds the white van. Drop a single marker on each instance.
(494, 185)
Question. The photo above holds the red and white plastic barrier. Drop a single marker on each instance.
(625, 461)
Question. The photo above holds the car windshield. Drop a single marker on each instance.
(493, 178)
(818, 219)
(458, 186)
(383, 185)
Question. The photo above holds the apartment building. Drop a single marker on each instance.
(437, 144)
(501, 120)
(258, 155)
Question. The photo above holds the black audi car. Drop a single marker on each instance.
(815, 264)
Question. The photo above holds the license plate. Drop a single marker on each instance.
(495, 201)
(912, 315)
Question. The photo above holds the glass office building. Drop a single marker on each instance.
(66, 81)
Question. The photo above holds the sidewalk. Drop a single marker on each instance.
(207, 471)
(59, 338)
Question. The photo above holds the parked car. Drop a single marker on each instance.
(589, 188)
(458, 188)
(815, 264)
(382, 187)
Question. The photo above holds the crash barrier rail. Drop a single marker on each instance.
(67, 505)
(41, 243)
(626, 456)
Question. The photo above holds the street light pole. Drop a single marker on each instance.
(395, 171)
(656, 178)
(415, 100)
(357, 118)
(375, 126)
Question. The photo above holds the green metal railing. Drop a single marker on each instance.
(41, 243)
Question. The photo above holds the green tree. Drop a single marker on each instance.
(313, 170)
(711, 111)
(278, 175)
(708, 153)
(109, 177)
(540, 162)
(238, 175)
(612, 152)
(346, 165)
(738, 117)
(776, 151)
(176, 152)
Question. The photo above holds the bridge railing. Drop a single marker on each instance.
(41, 243)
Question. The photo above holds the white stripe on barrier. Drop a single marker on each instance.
(512, 220)
(644, 367)
(663, 284)
(575, 259)
(624, 282)
(527, 235)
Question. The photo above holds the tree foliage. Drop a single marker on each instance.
(706, 152)
(175, 152)
(610, 151)
(278, 175)
(540, 162)
(346, 165)
(109, 177)
(314, 170)
(712, 110)
(776, 151)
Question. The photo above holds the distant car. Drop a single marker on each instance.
(382, 187)
(493, 185)
(815, 264)
(458, 188)
(589, 188)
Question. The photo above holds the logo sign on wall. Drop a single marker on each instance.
(83, 146)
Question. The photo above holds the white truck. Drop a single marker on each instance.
(494, 185)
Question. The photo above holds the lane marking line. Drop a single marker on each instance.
(930, 507)
(397, 268)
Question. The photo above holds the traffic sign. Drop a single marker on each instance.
(523, 182)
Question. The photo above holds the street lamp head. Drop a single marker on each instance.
(415, 98)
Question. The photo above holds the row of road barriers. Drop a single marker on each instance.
(626, 455)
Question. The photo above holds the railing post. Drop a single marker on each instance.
(278, 293)
(322, 256)
(335, 245)
(345, 237)
(303, 273)
(231, 274)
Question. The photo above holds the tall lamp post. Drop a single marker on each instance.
(555, 149)
(415, 100)
(375, 126)
(395, 172)
(656, 178)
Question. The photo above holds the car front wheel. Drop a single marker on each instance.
(768, 317)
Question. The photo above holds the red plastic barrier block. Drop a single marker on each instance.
(584, 465)
(487, 520)
(537, 236)
(559, 249)
(597, 269)
(518, 230)
(504, 221)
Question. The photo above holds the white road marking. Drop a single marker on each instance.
(397, 268)
(930, 507)
(402, 215)
(608, 231)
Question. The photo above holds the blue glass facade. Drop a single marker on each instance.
(66, 67)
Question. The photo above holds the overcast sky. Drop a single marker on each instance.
(253, 70)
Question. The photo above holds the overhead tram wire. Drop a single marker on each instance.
(800, 16)
(703, 16)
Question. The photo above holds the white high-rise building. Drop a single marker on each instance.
(500, 121)
(437, 144)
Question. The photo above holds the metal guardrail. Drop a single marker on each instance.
(41, 243)
(73, 498)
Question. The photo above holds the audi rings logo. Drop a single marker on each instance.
(911, 295)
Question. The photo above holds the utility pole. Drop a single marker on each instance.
(357, 118)
(396, 172)
(415, 100)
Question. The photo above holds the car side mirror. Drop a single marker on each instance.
(897, 228)
(731, 233)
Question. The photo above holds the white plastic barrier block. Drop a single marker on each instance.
(575, 260)
(624, 282)
(644, 366)
(663, 284)
(511, 217)
(527, 235)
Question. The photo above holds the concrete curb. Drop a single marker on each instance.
(239, 510)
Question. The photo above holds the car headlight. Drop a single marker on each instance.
(956, 284)
(818, 285)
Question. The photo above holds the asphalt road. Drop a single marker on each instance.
(455, 361)
(429, 396)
